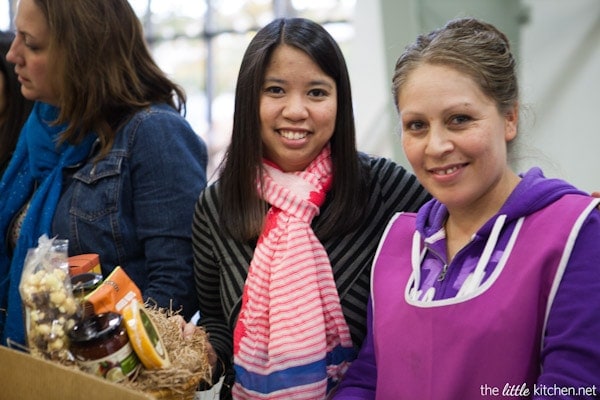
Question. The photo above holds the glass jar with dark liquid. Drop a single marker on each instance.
(101, 347)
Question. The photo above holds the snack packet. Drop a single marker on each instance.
(46, 292)
(113, 294)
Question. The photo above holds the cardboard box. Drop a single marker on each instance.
(23, 377)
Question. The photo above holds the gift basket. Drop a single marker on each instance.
(106, 330)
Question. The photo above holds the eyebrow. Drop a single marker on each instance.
(462, 106)
(316, 82)
(25, 34)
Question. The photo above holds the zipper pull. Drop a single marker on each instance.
(443, 273)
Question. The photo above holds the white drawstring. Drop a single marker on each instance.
(475, 278)
(415, 258)
(428, 296)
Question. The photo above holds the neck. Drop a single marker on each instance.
(458, 234)
(464, 222)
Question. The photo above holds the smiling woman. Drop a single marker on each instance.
(457, 143)
(298, 107)
(497, 259)
(201, 47)
(286, 235)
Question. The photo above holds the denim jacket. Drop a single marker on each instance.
(134, 207)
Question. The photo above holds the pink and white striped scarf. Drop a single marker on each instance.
(291, 340)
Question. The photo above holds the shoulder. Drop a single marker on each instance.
(590, 226)
(393, 183)
(157, 116)
(210, 194)
(206, 219)
(574, 204)
(375, 162)
(161, 127)
(208, 201)
(380, 168)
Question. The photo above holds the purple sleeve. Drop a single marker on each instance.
(571, 348)
(360, 380)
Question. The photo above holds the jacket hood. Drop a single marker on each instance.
(533, 193)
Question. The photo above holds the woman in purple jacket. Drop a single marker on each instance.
(492, 289)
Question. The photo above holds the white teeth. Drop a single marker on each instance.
(447, 171)
(293, 135)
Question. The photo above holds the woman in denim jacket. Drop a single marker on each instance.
(106, 160)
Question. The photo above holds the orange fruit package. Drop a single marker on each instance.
(113, 294)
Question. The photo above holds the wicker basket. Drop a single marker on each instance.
(184, 392)
(189, 363)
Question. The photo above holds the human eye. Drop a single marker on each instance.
(414, 127)
(32, 46)
(318, 92)
(30, 43)
(273, 90)
(460, 120)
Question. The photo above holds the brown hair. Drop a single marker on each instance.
(473, 47)
(103, 68)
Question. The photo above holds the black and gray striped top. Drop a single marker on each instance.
(221, 263)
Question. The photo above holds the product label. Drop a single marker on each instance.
(152, 334)
(115, 367)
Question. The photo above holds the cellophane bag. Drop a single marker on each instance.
(50, 307)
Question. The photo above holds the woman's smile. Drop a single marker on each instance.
(298, 107)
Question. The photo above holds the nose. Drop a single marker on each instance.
(440, 141)
(295, 108)
(14, 54)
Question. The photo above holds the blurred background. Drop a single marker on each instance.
(200, 45)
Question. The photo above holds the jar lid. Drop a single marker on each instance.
(86, 281)
(96, 327)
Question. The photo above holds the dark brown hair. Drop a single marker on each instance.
(242, 211)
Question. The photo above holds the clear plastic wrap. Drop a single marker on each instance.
(50, 307)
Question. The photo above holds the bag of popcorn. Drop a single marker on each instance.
(50, 307)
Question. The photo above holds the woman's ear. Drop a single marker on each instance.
(511, 117)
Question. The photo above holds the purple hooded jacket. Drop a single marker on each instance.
(573, 321)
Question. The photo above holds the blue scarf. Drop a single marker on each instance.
(37, 160)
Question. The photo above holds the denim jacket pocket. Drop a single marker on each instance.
(96, 188)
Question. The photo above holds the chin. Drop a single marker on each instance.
(32, 96)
